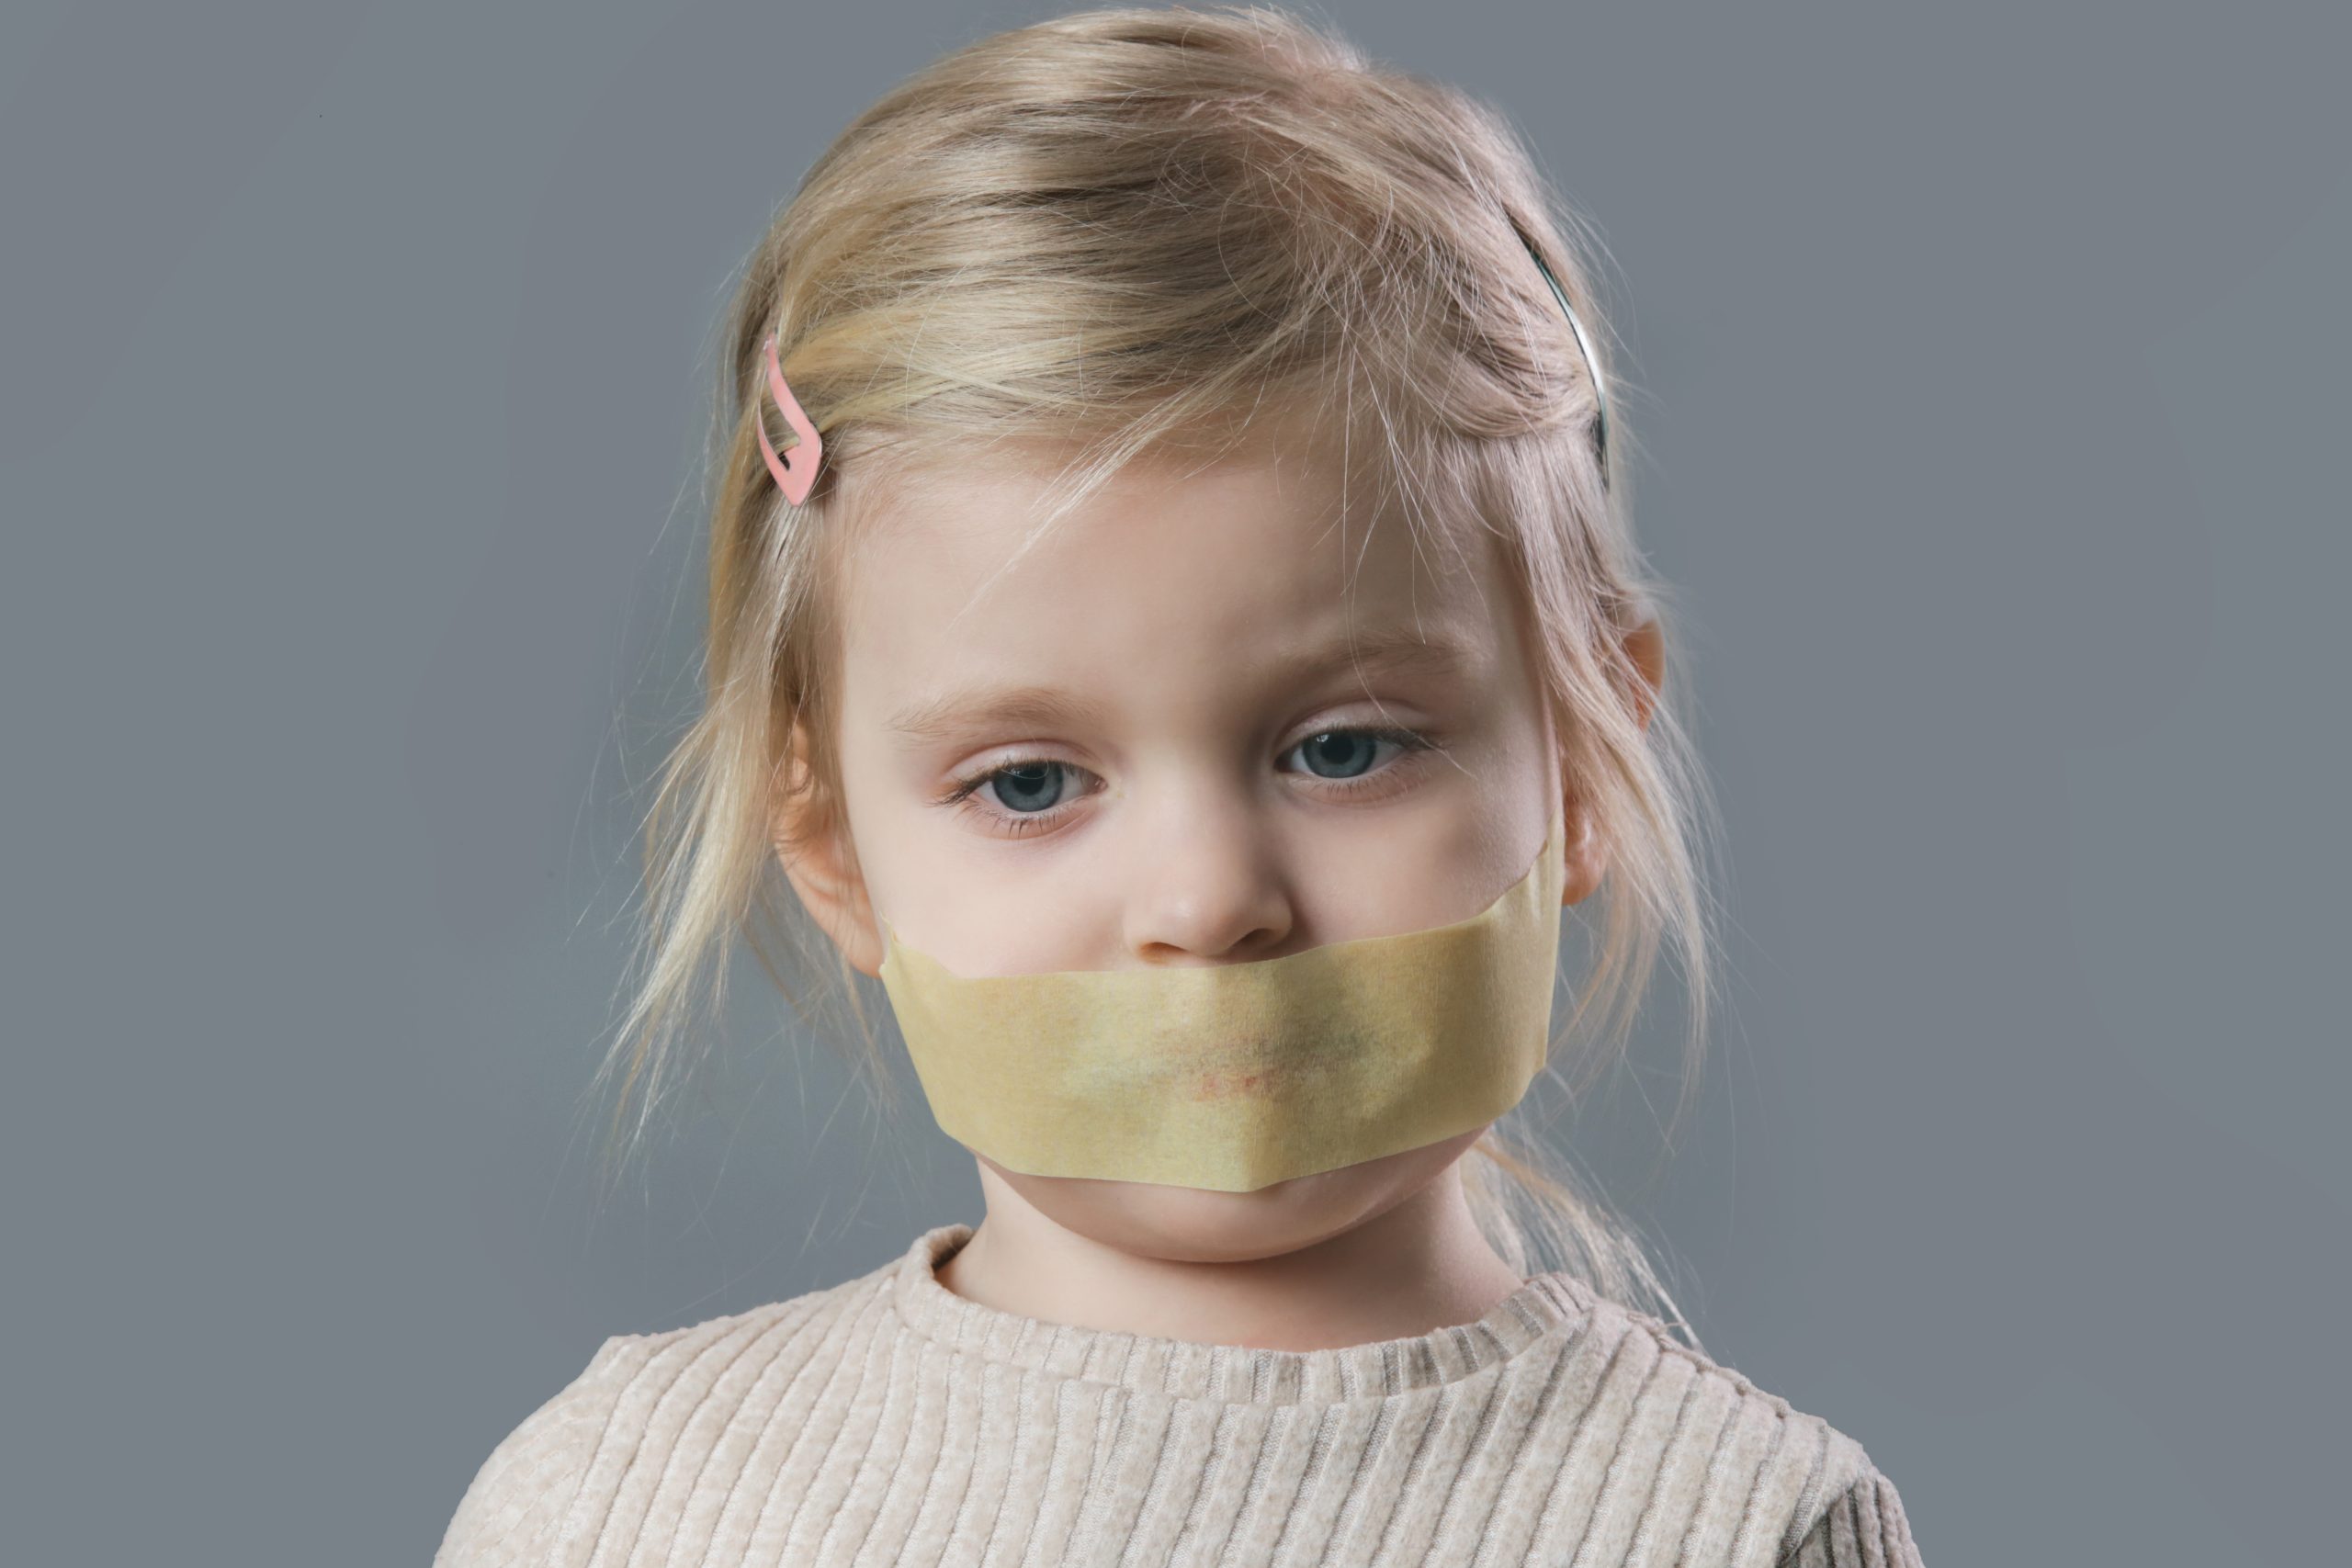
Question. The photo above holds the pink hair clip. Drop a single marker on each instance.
(796, 475)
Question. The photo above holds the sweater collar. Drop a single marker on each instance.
(1549, 1306)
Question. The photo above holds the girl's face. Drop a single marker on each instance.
(1147, 743)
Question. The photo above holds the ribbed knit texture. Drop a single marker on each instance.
(889, 1421)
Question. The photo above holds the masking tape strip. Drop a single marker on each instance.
(1232, 1077)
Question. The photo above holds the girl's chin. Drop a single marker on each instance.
(1198, 1224)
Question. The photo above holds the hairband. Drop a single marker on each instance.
(1591, 366)
(796, 473)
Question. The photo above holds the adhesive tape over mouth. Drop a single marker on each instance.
(1232, 1077)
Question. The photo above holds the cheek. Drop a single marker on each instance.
(904, 877)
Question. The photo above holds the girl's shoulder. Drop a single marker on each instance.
(1804, 1486)
(539, 1499)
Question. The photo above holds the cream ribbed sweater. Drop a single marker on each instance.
(889, 1420)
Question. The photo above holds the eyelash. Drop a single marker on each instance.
(1019, 824)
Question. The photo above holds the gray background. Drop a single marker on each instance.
(1990, 364)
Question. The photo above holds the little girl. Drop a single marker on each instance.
(1174, 623)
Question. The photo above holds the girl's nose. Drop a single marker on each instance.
(1206, 889)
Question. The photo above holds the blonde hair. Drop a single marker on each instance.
(1132, 233)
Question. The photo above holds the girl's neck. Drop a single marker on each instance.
(1419, 1266)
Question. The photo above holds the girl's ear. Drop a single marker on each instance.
(1646, 645)
(810, 842)
(1587, 856)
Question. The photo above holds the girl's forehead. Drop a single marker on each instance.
(1249, 535)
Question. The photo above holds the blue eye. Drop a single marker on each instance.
(1350, 743)
(1028, 786)
(1030, 790)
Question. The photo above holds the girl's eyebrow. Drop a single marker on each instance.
(954, 713)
